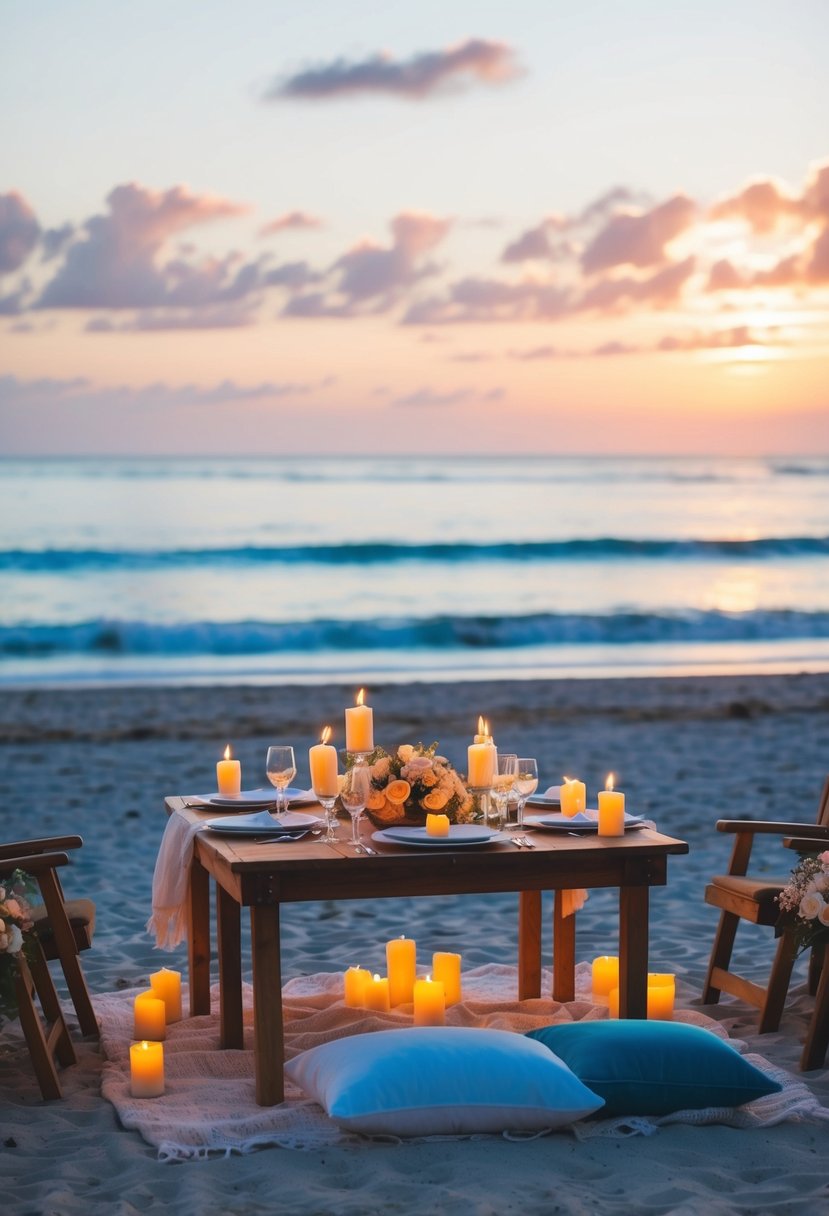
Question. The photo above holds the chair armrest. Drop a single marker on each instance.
(33, 863)
(45, 845)
(778, 828)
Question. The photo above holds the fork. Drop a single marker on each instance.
(523, 842)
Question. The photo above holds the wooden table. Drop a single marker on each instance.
(263, 877)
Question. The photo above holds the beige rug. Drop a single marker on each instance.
(209, 1106)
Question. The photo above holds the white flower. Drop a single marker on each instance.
(405, 752)
(415, 766)
(821, 882)
(15, 940)
(810, 905)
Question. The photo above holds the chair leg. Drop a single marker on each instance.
(817, 1038)
(42, 1044)
(778, 985)
(49, 1003)
(720, 955)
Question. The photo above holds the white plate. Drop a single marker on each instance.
(466, 832)
(574, 823)
(263, 824)
(543, 800)
(438, 842)
(250, 800)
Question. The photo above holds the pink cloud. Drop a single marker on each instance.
(639, 239)
(762, 204)
(19, 231)
(658, 290)
(290, 219)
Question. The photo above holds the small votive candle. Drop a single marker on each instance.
(401, 962)
(229, 775)
(147, 1069)
(354, 987)
(166, 985)
(149, 1017)
(605, 976)
(572, 797)
(611, 810)
(377, 994)
(446, 968)
(429, 1002)
(437, 825)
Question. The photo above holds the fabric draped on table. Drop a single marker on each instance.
(171, 883)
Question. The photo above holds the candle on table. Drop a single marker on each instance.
(147, 1069)
(437, 825)
(359, 726)
(229, 775)
(446, 968)
(605, 975)
(611, 810)
(481, 759)
(429, 1002)
(661, 993)
(322, 758)
(149, 1017)
(377, 994)
(573, 797)
(400, 963)
(354, 986)
(166, 985)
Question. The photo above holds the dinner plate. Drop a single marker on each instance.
(263, 824)
(438, 842)
(251, 800)
(575, 823)
(467, 832)
(543, 800)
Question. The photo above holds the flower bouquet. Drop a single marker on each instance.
(414, 782)
(804, 902)
(15, 936)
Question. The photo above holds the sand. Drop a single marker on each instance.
(686, 751)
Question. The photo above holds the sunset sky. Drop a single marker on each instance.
(272, 227)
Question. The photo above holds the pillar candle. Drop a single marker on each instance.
(229, 775)
(446, 968)
(429, 1002)
(359, 726)
(437, 825)
(322, 758)
(400, 963)
(661, 992)
(166, 985)
(354, 987)
(611, 810)
(481, 761)
(377, 994)
(605, 975)
(613, 1003)
(147, 1069)
(149, 1017)
(573, 797)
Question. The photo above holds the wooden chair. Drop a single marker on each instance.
(742, 897)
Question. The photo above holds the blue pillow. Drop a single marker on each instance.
(655, 1068)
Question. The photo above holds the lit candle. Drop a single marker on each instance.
(611, 810)
(429, 1002)
(605, 975)
(359, 726)
(147, 1069)
(229, 775)
(377, 994)
(613, 1003)
(322, 758)
(166, 985)
(661, 993)
(483, 735)
(481, 759)
(400, 963)
(354, 986)
(573, 797)
(446, 968)
(150, 1017)
(437, 825)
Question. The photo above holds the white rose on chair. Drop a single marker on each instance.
(810, 905)
(803, 901)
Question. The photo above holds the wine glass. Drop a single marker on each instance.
(526, 783)
(281, 769)
(354, 795)
(502, 782)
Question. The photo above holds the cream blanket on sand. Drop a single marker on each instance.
(209, 1106)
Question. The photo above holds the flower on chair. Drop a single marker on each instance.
(804, 901)
(15, 935)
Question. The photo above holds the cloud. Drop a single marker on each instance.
(430, 398)
(477, 60)
(722, 339)
(19, 231)
(534, 353)
(290, 219)
(762, 204)
(48, 392)
(532, 245)
(658, 290)
(639, 239)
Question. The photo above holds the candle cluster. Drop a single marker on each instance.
(661, 989)
(153, 1011)
(428, 996)
(573, 800)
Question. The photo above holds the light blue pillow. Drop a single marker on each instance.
(441, 1080)
(655, 1068)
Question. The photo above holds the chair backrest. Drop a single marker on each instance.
(823, 810)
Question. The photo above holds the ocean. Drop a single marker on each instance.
(379, 569)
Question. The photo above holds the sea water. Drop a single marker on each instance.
(394, 568)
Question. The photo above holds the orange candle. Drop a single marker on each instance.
(147, 1070)
(611, 810)
(229, 775)
(437, 825)
(400, 963)
(661, 993)
(605, 976)
(359, 726)
(377, 994)
(149, 1017)
(354, 987)
(166, 985)
(573, 797)
(446, 968)
(429, 1003)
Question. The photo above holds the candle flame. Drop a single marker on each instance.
(377, 979)
(481, 725)
(326, 734)
(228, 753)
(361, 696)
(145, 1045)
(428, 979)
(608, 785)
(569, 780)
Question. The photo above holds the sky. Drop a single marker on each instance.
(340, 226)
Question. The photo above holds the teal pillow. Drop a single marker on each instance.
(654, 1068)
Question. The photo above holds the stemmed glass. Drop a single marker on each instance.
(281, 769)
(526, 783)
(354, 795)
(502, 783)
(327, 801)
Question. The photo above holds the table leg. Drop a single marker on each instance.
(529, 945)
(633, 952)
(229, 935)
(817, 1038)
(268, 1029)
(198, 943)
(564, 951)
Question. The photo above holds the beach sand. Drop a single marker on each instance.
(686, 751)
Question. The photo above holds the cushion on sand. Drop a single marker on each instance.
(655, 1068)
(441, 1080)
